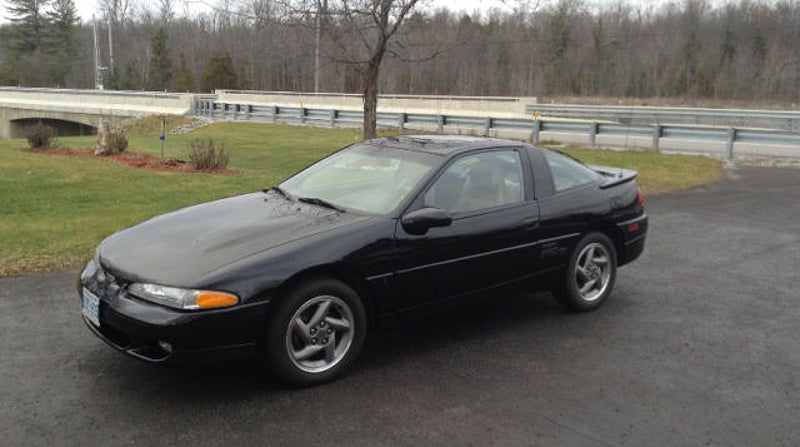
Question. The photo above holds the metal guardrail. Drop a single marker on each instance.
(207, 107)
(771, 119)
(381, 96)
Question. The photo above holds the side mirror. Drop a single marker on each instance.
(418, 222)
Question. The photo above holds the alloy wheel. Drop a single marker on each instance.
(593, 271)
(320, 333)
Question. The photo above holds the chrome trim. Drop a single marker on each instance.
(558, 238)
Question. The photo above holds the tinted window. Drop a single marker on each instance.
(478, 181)
(568, 173)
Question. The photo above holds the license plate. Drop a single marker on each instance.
(90, 307)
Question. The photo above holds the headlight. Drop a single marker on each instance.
(184, 299)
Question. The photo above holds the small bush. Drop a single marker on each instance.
(205, 154)
(41, 136)
(116, 142)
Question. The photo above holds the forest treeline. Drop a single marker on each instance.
(738, 50)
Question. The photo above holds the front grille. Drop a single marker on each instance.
(105, 285)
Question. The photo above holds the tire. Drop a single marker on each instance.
(315, 332)
(590, 274)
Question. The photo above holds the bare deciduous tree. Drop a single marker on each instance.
(360, 31)
(116, 11)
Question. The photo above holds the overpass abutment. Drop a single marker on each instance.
(20, 107)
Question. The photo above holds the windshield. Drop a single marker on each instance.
(366, 177)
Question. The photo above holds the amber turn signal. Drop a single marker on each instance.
(210, 300)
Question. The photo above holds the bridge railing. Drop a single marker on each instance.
(104, 93)
(655, 134)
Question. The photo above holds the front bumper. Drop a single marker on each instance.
(158, 334)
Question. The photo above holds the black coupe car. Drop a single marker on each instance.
(300, 272)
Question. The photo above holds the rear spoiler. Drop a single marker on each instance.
(613, 176)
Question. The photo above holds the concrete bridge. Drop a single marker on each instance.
(77, 112)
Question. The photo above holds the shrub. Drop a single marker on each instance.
(206, 154)
(116, 142)
(41, 136)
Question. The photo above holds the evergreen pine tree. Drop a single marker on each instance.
(185, 79)
(60, 39)
(23, 39)
(219, 73)
(28, 22)
(159, 74)
(131, 78)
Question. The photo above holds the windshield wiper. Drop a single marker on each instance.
(280, 191)
(320, 202)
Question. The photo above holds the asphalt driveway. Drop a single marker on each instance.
(697, 346)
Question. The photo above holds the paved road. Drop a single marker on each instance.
(697, 346)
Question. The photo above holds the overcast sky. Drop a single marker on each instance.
(88, 7)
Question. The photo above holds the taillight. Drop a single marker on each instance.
(639, 196)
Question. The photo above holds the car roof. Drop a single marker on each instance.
(444, 145)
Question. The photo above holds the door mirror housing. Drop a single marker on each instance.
(420, 221)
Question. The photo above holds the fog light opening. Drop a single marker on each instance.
(166, 346)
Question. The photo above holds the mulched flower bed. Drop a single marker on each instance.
(134, 160)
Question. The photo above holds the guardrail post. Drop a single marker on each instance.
(537, 128)
(248, 109)
(731, 140)
(440, 124)
(302, 115)
(275, 111)
(401, 121)
(236, 109)
(332, 118)
(657, 132)
(487, 126)
(593, 134)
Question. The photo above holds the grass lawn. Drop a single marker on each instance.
(55, 209)
(658, 173)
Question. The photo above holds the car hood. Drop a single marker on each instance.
(179, 247)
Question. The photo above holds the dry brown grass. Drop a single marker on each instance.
(42, 264)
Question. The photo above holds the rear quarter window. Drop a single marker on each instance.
(568, 173)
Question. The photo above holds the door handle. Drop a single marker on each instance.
(531, 222)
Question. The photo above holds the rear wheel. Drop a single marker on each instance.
(590, 274)
(315, 332)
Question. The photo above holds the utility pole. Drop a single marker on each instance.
(98, 69)
(318, 31)
(110, 46)
(316, 55)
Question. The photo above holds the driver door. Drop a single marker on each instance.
(491, 241)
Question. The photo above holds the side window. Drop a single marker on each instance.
(568, 173)
(478, 181)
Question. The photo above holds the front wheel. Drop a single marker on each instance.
(590, 274)
(315, 332)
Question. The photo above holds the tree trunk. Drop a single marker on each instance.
(370, 84)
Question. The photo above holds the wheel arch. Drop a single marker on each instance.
(612, 232)
(339, 273)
